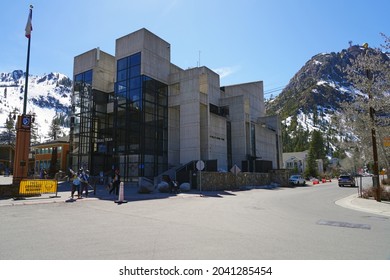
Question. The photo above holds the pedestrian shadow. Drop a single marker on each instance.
(132, 194)
(100, 192)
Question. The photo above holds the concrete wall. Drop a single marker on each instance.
(246, 107)
(237, 118)
(204, 131)
(273, 126)
(85, 62)
(189, 94)
(174, 97)
(253, 92)
(218, 140)
(174, 136)
(103, 66)
(210, 80)
(185, 93)
(189, 132)
(156, 53)
(203, 134)
(219, 181)
(266, 145)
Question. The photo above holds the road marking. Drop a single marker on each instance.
(376, 218)
(343, 224)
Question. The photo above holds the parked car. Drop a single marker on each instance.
(297, 180)
(346, 180)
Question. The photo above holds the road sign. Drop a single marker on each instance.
(200, 165)
(235, 170)
(386, 141)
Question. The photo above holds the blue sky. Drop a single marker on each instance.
(243, 40)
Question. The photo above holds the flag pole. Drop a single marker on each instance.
(26, 83)
(23, 125)
(28, 35)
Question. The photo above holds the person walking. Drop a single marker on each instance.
(115, 182)
(84, 177)
(43, 174)
(111, 180)
(75, 183)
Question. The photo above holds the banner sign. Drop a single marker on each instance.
(38, 186)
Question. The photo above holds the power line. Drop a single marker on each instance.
(267, 92)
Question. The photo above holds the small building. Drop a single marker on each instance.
(297, 162)
(45, 152)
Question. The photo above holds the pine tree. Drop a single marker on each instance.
(311, 165)
(34, 133)
(318, 145)
(9, 135)
(55, 129)
(315, 117)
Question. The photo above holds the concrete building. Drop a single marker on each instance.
(138, 111)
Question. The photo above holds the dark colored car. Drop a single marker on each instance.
(346, 180)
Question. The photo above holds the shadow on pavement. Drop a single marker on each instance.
(131, 193)
(100, 192)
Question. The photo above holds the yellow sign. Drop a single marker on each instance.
(386, 141)
(37, 186)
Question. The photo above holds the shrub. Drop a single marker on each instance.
(386, 181)
(371, 192)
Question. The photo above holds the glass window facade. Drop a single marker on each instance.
(140, 122)
(91, 140)
(81, 118)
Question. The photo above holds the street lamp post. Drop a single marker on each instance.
(375, 178)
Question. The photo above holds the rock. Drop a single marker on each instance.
(185, 187)
(145, 185)
(163, 187)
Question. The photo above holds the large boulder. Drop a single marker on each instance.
(163, 187)
(145, 185)
(185, 187)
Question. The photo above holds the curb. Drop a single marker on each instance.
(364, 205)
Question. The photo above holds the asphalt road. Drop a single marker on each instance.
(302, 223)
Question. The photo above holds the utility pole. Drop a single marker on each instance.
(375, 178)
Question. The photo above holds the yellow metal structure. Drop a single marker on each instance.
(32, 187)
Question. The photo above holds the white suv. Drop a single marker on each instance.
(297, 180)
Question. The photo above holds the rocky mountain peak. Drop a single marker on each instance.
(315, 93)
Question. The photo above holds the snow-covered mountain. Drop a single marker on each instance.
(313, 98)
(48, 96)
